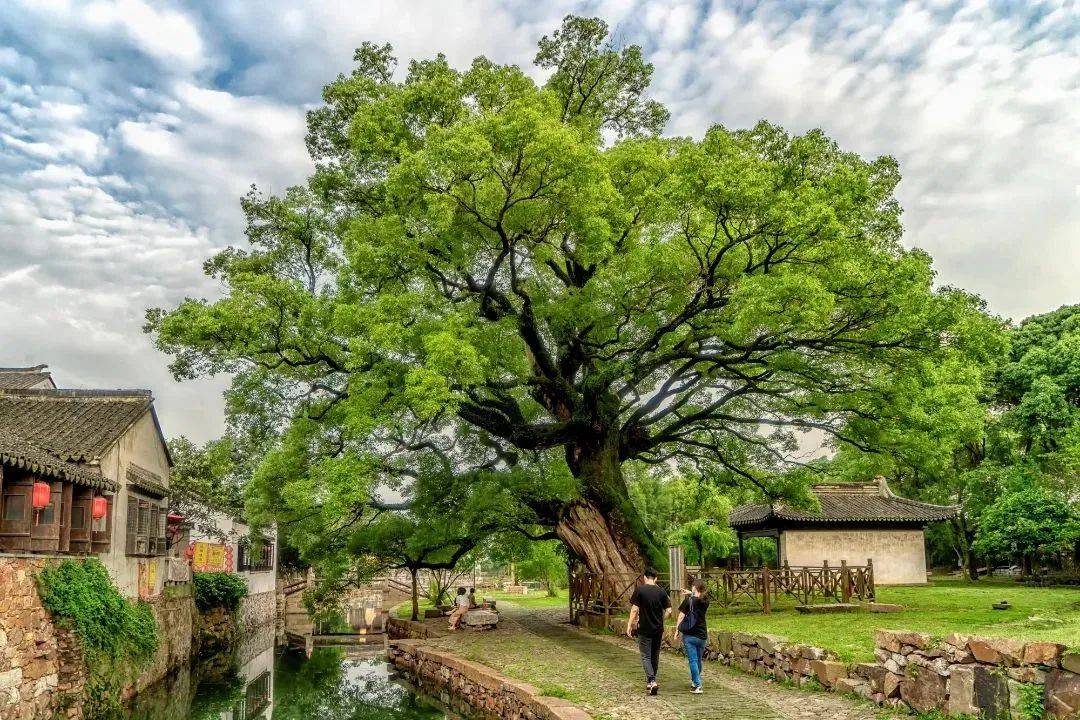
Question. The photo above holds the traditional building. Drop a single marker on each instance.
(28, 378)
(857, 521)
(98, 463)
(218, 542)
(84, 472)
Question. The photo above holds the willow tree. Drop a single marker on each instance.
(485, 272)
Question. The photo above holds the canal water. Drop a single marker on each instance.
(278, 683)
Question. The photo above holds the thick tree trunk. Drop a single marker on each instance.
(965, 538)
(603, 529)
(415, 596)
(598, 544)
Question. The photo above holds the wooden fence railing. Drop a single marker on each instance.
(602, 593)
(605, 593)
(806, 584)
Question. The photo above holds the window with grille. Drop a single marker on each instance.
(255, 554)
(256, 698)
(145, 527)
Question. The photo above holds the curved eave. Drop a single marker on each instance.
(56, 470)
(779, 518)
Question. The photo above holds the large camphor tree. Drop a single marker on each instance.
(488, 276)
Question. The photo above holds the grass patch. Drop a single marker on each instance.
(557, 691)
(535, 599)
(403, 611)
(538, 599)
(943, 606)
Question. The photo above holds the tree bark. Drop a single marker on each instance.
(965, 538)
(597, 544)
(415, 595)
(603, 529)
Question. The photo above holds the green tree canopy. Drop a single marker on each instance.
(485, 274)
(1027, 522)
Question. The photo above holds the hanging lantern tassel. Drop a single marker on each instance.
(99, 508)
(42, 495)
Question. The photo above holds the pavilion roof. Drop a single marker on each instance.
(847, 503)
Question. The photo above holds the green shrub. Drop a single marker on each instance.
(218, 589)
(1031, 702)
(80, 595)
(116, 635)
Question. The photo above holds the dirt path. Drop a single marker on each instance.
(602, 674)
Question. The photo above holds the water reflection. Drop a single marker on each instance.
(282, 684)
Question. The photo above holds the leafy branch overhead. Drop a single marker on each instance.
(489, 281)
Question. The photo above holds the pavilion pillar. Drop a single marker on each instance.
(742, 552)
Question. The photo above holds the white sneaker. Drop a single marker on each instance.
(696, 690)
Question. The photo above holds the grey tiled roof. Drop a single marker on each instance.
(855, 503)
(147, 481)
(21, 454)
(22, 378)
(73, 425)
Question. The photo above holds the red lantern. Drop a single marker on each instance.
(99, 508)
(42, 495)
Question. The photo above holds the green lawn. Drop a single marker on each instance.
(942, 607)
(536, 599)
(404, 610)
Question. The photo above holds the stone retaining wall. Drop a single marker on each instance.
(474, 689)
(398, 629)
(42, 673)
(257, 610)
(958, 675)
(40, 664)
(176, 618)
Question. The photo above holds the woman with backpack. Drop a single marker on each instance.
(691, 625)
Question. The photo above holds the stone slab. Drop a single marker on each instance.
(828, 609)
(1063, 694)
(997, 651)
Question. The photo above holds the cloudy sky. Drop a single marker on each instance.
(129, 129)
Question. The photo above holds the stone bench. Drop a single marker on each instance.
(480, 619)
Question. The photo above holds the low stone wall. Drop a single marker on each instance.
(474, 689)
(398, 629)
(40, 664)
(42, 673)
(958, 675)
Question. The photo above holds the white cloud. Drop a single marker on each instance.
(129, 129)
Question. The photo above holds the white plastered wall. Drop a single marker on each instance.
(140, 445)
(899, 555)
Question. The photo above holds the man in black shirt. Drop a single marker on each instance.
(649, 605)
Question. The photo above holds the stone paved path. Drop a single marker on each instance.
(604, 675)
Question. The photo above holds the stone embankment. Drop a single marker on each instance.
(957, 675)
(398, 629)
(474, 689)
(42, 672)
(40, 664)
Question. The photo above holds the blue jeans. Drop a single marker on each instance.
(695, 649)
